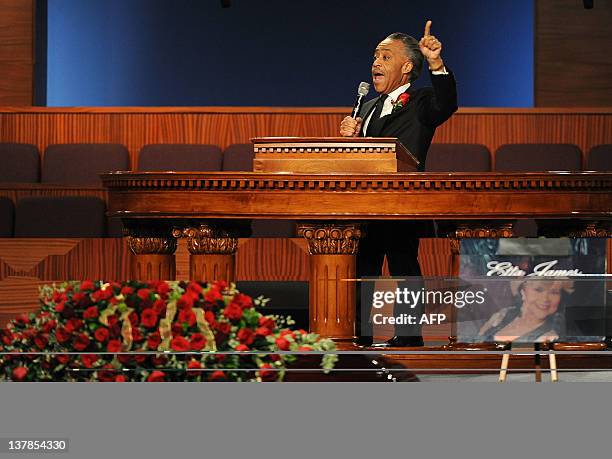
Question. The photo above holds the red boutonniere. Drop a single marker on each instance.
(401, 102)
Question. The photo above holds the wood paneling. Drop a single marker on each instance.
(16, 51)
(26, 264)
(573, 63)
(135, 127)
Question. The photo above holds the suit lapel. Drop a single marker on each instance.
(393, 115)
(368, 107)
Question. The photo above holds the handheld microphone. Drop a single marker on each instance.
(362, 91)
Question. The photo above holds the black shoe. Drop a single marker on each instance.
(403, 341)
(363, 341)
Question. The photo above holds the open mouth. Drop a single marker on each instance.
(377, 76)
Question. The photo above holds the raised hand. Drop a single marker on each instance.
(431, 47)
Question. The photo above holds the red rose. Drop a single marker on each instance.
(19, 373)
(210, 317)
(286, 332)
(41, 341)
(283, 344)
(62, 335)
(23, 319)
(101, 334)
(179, 344)
(154, 341)
(73, 325)
(81, 342)
(245, 336)
(242, 347)
(158, 361)
(195, 288)
(102, 295)
(267, 322)
(223, 327)
(77, 297)
(198, 342)
(144, 293)
(213, 295)
(187, 316)
(140, 358)
(148, 318)
(233, 312)
(49, 326)
(263, 331)
(120, 378)
(8, 337)
(133, 319)
(157, 376)
(193, 365)
(87, 285)
(63, 359)
(114, 345)
(403, 97)
(163, 288)
(137, 336)
(59, 307)
(160, 307)
(89, 360)
(124, 358)
(91, 312)
(112, 320)
(220, 285)
(185, 302)
(177, 329)
(266, 373)
(244, 301)
(305, 348)
(127, 291)
(218, 375)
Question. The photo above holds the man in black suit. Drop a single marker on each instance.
(412, 116)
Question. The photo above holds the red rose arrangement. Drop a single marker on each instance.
(401, 102)
(156, 331)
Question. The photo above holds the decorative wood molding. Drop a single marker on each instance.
(486, 231)
(209, 239)
(424, 182)
(331, 239)
(151, 245)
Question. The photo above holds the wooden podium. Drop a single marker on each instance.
(332, 155)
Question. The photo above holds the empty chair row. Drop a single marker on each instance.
(516, 158)
(81, 164)
(67, 216)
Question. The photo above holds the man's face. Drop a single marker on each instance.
(391, 66)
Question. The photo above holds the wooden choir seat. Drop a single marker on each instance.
(7, 213)
(20, 163)
(180, 157)
(600, 158)
(81, 164)
(458, 157)
(238, 157)
(63, 217)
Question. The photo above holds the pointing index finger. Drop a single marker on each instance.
(427, 27)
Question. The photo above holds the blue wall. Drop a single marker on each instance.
(274, 52)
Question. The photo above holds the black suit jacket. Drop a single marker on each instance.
(415, 123)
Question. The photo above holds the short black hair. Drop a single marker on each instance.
(413, 52)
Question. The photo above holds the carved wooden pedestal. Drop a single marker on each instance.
(153, 258)
(333, 249)
(213, 252)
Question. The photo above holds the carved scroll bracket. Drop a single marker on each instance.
(208, 239)
(576, 228)
(331, 239)
(145, 238)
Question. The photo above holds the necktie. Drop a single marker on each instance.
(376, 124)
